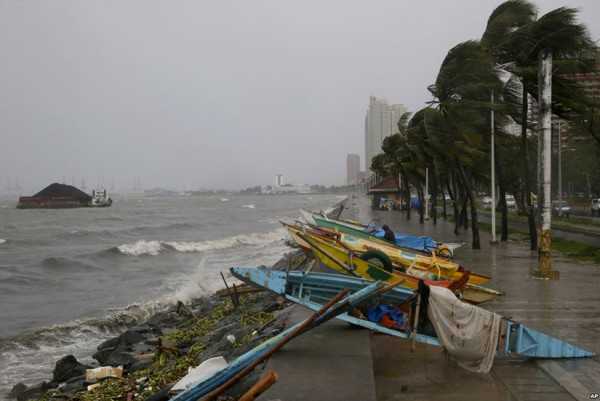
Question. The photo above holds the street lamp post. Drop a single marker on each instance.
(493, 172)
(544, 270)
(559, 172)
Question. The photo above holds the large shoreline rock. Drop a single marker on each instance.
(136, 348)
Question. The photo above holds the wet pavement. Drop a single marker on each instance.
(568, 309)
(338, 362)
(332, 362)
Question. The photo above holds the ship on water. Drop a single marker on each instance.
(62, 196)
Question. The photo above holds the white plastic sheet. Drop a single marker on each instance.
(468, 333)
(201, 372)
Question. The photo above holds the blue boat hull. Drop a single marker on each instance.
(203, 388)
(314, 289)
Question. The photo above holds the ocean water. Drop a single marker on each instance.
(71, 278)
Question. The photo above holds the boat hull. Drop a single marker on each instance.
(312, 290)
(342, 261)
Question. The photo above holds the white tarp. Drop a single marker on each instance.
(201, 372)
(468, 333)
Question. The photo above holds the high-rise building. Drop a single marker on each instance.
(352, 169)
(381, 121)
(278, 180)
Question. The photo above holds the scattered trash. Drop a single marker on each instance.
(231, 338)
(92, 386)
(201, 372)
(93, 375)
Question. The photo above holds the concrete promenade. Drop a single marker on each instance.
(336, 362)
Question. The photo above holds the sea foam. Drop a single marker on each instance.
(154, 248)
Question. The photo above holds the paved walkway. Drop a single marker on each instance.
(329, 363)
(338, 362)
(568, 308)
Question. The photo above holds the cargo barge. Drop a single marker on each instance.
(62, 196)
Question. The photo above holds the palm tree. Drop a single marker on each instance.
(461, 92)
(515, 37)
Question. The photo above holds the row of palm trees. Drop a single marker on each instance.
(450, 137)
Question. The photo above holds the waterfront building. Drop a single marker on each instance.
(381, 121)
(279, 180)
(352, 169)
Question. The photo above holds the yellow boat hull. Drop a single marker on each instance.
(414, 262)
(344, 261)
(443, 268)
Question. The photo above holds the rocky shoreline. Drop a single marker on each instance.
(157, 352)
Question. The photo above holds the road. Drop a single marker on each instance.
(575, 233)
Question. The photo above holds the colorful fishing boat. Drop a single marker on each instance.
(313, 289)
(345, 261)
(411, 262)
(425, 245)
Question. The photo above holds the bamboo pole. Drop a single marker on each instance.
(299, 330)
(263, 384)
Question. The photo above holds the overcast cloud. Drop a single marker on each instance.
(220, 94)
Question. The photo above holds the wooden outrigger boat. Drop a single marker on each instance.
(345, 261)
(407, 257)
(360, 231)
(313, 289)
(409, 261)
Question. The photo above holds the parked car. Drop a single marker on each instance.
(511, 203)
(486, 201)
(561, 208)
(595, 207)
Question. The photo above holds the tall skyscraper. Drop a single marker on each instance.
(352, 169)
(278, 180)
(381, 121)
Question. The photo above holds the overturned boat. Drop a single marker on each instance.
(471, 334)
(343, 259)
(426, 245)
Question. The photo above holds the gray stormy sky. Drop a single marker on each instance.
(220, 94)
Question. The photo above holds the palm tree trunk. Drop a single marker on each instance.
(502, 200)
(421, 204)
(444, 210)
(504, 212)
(452, 194)
(434, 194)
(463, 213)
(476, 243)
(525, 157)
(406, 194)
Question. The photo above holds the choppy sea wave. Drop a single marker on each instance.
(153, 248)
(30, 356)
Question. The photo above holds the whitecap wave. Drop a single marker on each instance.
(251, 206)
(30, 357)
(224, 200)
(2, 241)
(154, 248)
(141, 247)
